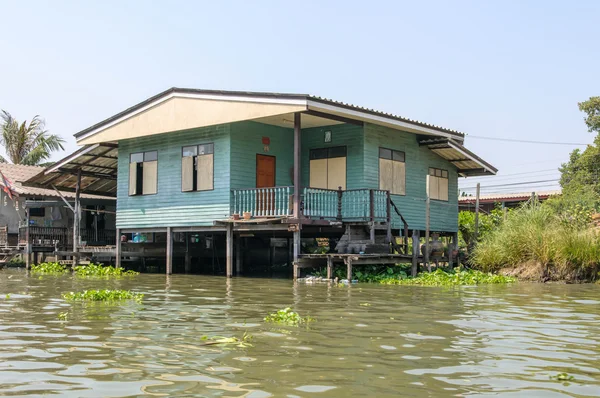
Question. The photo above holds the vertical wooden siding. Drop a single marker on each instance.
(444, 215)
(348, 135)
(169, 206)
(246, 143)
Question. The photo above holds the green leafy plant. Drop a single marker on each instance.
(49, 269)
(368, 273)
(103, 295)
(287, 317)
(562, 377)
(98, 270)
(454, 278)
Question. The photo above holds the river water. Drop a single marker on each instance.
(367, 340)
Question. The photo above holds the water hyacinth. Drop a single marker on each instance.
(98, 270)
(456, 278)
(103, 295)
(287, 317)
(49, 269)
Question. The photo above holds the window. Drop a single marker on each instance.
(438, 184)
(197, 168)
(143, 173)
(328, 168)
(392, 171)
(37, 211)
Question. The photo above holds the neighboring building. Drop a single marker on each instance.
(488, 202)
(49, 217)
(188, 159)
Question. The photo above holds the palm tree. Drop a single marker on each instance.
(24, 143)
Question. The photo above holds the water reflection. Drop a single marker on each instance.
(368, 340)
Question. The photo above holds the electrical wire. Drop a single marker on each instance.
(515, 183)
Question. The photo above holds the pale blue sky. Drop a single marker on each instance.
(513, 69)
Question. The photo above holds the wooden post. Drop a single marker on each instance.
(76, 216)
(349, 270)
(427, 222)
(27, 241)
(476, 229)
(372, 215)
(169, 251)
(388, 211)
(118, 249)
(329, 267)
(450, 246)
(229, 251)
(238, 255)
(297, 154)
(188, 254)
(415, 252)
(296, 260)
(340, 193)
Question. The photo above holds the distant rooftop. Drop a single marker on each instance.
(507, 197)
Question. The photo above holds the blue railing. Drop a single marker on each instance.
(316, 203)
(263, 202)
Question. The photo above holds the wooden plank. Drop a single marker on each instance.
(187, 173)
(399, 181)
(132, 179)
(318, 173)
(386, 175)
(336, 173)
(329, 267)
(296, 258)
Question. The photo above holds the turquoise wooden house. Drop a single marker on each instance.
(201, 161)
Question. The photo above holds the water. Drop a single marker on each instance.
(368, 340)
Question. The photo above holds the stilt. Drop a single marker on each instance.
(169, 251)
(427, 222)
(349, 270)
(238, 255)
(188, 255)
(455, 247)
(415, 254)
(296, 261)
(450, 246)
(118, 249)
(76, 218)
(329, 267)
(28, 241)
(229, 251)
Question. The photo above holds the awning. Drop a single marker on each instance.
(467, 163)
(98, 164)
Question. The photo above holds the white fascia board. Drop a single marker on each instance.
(70, 158)
(352, 113)
(214, 97)
(483, 166)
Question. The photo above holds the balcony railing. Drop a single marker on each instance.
(63, 237)
(316, 203)
(263, 202)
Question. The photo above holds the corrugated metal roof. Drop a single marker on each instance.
(18, 174)
(98, 164)
(283, 96)
(515, 196)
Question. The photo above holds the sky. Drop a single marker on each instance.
(508, 70)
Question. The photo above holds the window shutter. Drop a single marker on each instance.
(442, 188)
(433, 187)
(132, 178)
(336, 173)
(205, 172)
(150, 174)
(318, 173)
(399, 180)
(386, 175)
(187, 173)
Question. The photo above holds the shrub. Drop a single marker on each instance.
(101, 271)
(49, 269)
(103, 295)
(537, 234)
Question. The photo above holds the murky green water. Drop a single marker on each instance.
(368, 340)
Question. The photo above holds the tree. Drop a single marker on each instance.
(24, 143)
(580, 176)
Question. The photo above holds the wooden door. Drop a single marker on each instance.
(265, 178)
